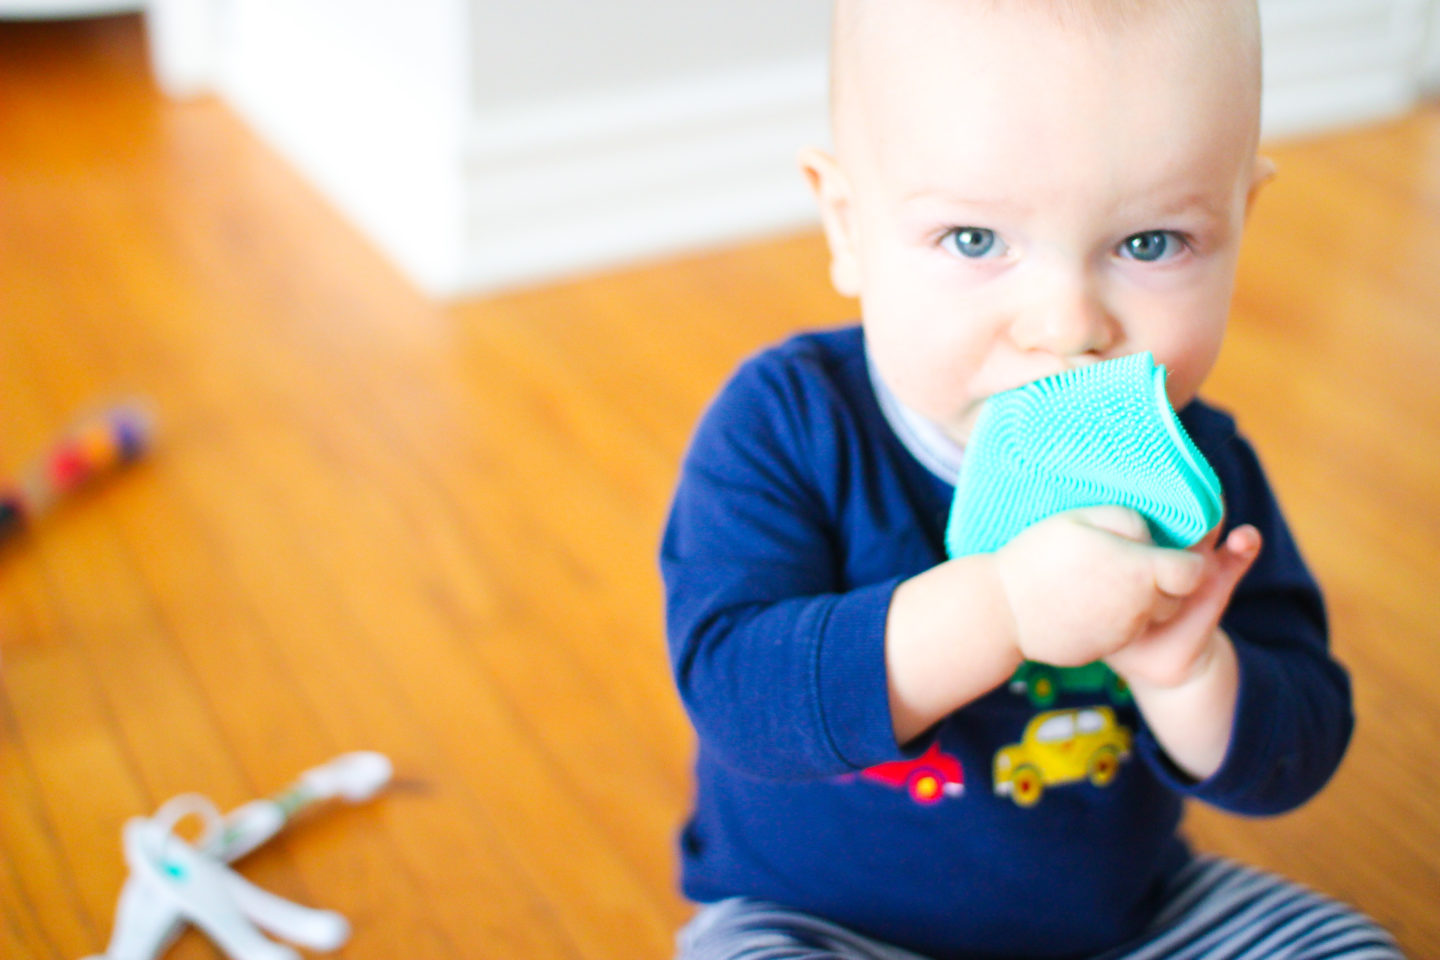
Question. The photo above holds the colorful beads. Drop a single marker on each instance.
(95, 447)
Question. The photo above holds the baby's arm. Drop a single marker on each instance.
(949, 639)
(777, 649)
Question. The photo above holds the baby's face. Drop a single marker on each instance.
(1012, 198)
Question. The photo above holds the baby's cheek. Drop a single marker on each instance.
(1188, 356)
(940, 389)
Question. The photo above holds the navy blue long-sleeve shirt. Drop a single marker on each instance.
(797, 513)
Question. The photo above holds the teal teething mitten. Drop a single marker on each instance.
(1100, 435)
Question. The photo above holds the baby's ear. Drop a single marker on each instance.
(1263, 173)
(832, 193)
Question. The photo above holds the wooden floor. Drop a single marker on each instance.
(374, 522)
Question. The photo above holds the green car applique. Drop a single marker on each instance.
(1042, 683)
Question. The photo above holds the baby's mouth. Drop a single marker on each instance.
(1050, 370)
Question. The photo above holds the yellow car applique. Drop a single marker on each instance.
(1059, 747)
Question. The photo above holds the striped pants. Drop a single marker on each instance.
(1215, 910)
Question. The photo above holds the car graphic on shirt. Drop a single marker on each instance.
(929, 778)
(1042, 683)
(1060, 747)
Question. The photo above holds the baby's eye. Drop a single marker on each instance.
(974, 243)
(1152, 246)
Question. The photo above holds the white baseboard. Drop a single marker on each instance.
(1300, 110)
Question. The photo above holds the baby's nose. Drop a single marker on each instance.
(1069, 319)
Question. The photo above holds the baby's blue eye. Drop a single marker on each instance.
(974, 243)
(1152, 246)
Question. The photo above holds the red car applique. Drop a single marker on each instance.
(929, 778)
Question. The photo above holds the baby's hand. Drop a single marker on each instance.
(1084, 584)
(1178, 647)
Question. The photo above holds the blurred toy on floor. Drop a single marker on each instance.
(95, 447)
(173, 883)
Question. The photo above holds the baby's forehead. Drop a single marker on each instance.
(886, 50)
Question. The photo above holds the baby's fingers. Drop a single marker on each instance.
(1121, 521)
(1177, 573)
(1222, 573)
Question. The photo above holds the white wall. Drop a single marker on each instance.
(542, 51)
(488, 143)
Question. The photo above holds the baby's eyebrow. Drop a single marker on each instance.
(1200, 213)
(1144, 210)
(948, 199)
(1199, 204)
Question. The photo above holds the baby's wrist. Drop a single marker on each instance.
(1193, 720)
(1006, 622)
(1208, 662)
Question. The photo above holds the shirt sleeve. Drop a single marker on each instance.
(781, 669)
(1293, 718)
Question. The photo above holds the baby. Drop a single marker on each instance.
(1018, 187)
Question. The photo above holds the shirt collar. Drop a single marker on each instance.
(926, 442)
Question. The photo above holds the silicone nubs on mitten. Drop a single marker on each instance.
(1100, 435)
